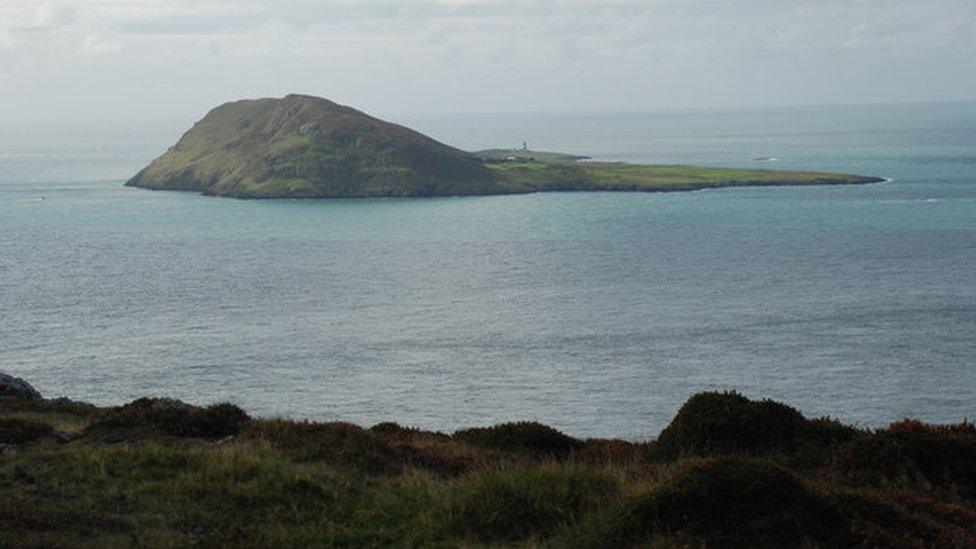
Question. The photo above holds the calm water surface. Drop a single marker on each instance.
(596, 313)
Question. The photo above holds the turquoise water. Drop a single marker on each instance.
(597, 313)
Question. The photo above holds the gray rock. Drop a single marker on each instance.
(11, 386)
(61, 438)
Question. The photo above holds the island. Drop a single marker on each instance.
(301, 146)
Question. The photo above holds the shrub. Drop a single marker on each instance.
(711, 424)
(61, 406)
(522, 437)
(390, 428)
(19, 431)
(826, 431)
(395, 431)
(606, 451)
(158, 416)
(955, 519)
(516, 503)
(873, 522)
(734, 501)
(338, 443)
(912, 452)
(436, 452)
(817, 439)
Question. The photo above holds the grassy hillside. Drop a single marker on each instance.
(727, 472)
(308, 147)
(303, 147)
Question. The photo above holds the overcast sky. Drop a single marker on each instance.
(178, 58)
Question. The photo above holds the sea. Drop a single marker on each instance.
(596, 313)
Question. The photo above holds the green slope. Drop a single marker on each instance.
(303, 147)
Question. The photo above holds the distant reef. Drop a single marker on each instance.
(308, 147)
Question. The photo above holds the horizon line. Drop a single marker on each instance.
(540, 112)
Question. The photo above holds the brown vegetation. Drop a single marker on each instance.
(727, 472)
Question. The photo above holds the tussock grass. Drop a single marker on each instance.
(910, 453)
(63, 414)
(508, 505)
(148, 417)
(17, 430)
(525, 436)
(342, 444)
(727, 472)
(736, 501)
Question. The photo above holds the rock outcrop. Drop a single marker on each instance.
(16, 387)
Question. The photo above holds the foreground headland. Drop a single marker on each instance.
(308, 147)
(727, 471)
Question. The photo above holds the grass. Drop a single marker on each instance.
(341, 444)
(160, 417)
(732, 501)
(525, 436)
(510, 505)
(727, 472)
(602, 176)
(18, 430)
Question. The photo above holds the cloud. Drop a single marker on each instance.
(49, 14)
(96, 45)
(491, 54)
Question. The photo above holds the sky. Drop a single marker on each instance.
(178, 58)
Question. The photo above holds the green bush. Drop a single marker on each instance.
(148, 417)
(61, 406)
(19, 431)
(606, 451)
(734, 502)
(395, 430)
(711, 424)
(514, 504)
(522, 437)
(338, 443)
(812, 449)
(874, 522)
(390, 428)
(913, 453)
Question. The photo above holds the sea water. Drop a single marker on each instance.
(597, 313)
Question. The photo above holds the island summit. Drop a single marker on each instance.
(308, 147)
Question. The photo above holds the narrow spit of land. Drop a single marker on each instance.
(727, 471)
(545, 171)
